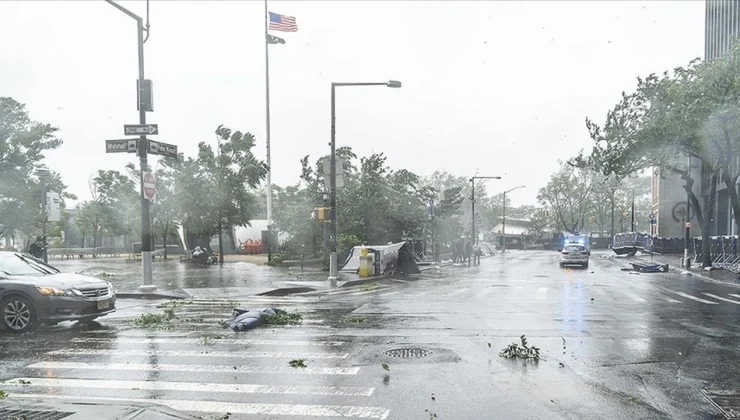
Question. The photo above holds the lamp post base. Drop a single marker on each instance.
(147, 288)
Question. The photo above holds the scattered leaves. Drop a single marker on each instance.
(174, 304)
(356, 320)
(522, 351)
(432, 414)
(3, 394)
(23, 382)
(297, 363)
(161, 321)
(284, 318)
(385, 366)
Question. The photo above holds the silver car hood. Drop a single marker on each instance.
(61, 281)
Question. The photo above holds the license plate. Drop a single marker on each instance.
(103, 304)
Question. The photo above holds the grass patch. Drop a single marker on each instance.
(297, 363)
(284, 318)
(156, 320)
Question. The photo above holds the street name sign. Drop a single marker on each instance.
(140, 129)
(164, 149)
(120, 146)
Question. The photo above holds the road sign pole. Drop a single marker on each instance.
(146, 237)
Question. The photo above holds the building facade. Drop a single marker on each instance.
(722, 28)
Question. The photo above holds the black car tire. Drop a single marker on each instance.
(16, 306)
(585, 265)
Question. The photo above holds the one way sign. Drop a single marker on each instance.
(139, 129)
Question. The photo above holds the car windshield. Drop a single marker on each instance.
(572, 248)
(23, 265)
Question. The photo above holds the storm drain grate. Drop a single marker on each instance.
(32, 415)
(727, 402)
(410, 353)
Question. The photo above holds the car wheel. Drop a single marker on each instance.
(585, 265)
(18, 315)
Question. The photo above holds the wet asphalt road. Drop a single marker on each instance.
(614, 345)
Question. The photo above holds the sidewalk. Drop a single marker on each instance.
(674, 261)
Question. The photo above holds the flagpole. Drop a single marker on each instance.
(267, 122)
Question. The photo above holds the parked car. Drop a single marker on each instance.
(34, 293)
(574, 254)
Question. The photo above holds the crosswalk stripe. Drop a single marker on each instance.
(191, 386)
(215, 340)
(667, 299)
(192, 353)
(458, 291)
(541, 293)
(167, 367)
(484, 292)
(634, 297)
(721, 298)
(734, 295)
(708, 302)
(302, 410)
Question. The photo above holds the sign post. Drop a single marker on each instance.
(140, 129)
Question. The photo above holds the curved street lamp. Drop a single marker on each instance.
(333, 239)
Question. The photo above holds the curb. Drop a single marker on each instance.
(179, 294)
(285, 291)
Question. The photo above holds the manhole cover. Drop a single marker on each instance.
(32, 415)
(727, 402)
(408, 353)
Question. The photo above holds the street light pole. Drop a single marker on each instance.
(503, 222)
(472, 202)
(146, 237)
(333, 238)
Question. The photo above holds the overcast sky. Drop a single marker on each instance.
(501, 88)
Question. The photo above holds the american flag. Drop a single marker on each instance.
(282, 23)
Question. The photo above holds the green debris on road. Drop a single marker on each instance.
(521, 351)
(284, 318)
(297, 363)
(156, 321)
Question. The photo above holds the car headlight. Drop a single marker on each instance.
(53, 291)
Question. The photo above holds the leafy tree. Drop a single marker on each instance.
(216, 189)
(165, 209)
(567, 194)
(23, 143)
(91, 220)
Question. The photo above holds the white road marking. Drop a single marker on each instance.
(354, 292)
(541, 293)
(484, 292)
(708, 302)
(165, 367)
(634, 297)
(667, 299)
(191, 386)
(191, 353)
(721, 298)
(302, 410)
(734, 295)
(458, 291)
(177, 340)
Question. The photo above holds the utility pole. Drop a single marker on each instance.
(633, 209)
(687, 234)
(146, 237)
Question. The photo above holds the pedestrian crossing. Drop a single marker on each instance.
(553, 294)
(249, 375)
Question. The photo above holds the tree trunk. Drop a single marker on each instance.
(164, 243)
(703, 222)
(220, 243)
(730, 182)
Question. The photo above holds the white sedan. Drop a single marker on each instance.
(574, 254)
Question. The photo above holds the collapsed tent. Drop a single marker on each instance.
(245, 319)
(389, 259)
